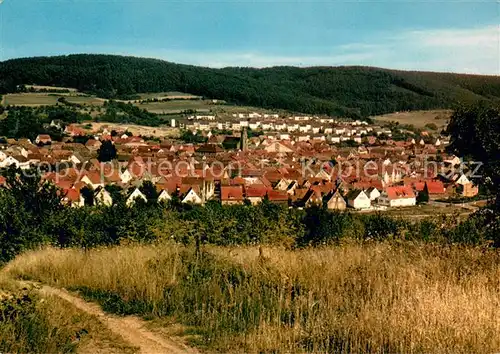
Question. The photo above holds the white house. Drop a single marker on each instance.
(335, 139)
(9, 160)
(398, 196)
(358, 199)
(192, 197)
(126, 176)
(164, 196)
(102, 197)
(372, 193)
(463, 180)
(74, 159)
(136, 194)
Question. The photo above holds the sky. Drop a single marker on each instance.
(452, 36)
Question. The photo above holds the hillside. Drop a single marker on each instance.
(343, 91)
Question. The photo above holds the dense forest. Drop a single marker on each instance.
(338, 91)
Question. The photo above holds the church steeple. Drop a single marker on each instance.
(244, 139)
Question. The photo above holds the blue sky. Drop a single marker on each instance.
(460, 36)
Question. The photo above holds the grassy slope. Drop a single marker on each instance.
(32, 323)
(337, 90)
(419, 119)
(352, 298)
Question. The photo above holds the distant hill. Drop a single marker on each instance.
(342, 91)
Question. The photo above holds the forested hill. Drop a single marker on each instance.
(342, 91)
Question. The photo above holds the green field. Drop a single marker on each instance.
(200, 106)
(166, 107)
(47, 99)
(170, 94)
(86, 100)
(176, 106)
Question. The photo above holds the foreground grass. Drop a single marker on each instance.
(30, 323)
(351, 298)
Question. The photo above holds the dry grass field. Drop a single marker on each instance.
(160, 132)
(39, 87)
(370, 298)
(418, 118)
(30, 322)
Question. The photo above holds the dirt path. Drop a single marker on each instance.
(132, 329)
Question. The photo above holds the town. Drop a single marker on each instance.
(295, 160)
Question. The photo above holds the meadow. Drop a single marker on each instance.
(370, 297)
(48, 99)
(418, 119)
(176, 106)
(200, 106)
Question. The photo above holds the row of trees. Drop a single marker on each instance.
(127, 113)
(342, 91)
(28, 122)
(31, 214)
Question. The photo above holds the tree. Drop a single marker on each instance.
(88, 195)
(116, 193)
(423, 196)
(475, 134)
(106, 152)
(149, 190)
(26, 204)
(39, 197)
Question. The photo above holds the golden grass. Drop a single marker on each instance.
(352, 298)
(86, 331)
(418, 118)
(52, 325)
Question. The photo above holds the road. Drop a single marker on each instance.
(132, 329)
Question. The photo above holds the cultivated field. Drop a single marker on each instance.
(48, 99)
(176, 106)
(178, 103)
(418, 118)
(175, 95)
(200, 106)
(370, 298)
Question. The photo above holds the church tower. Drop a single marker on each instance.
(244, 139)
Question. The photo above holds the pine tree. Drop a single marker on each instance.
(423, 196)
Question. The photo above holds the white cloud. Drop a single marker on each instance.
(486, 37)
(473, 50)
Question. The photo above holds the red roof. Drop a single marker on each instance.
(277, 195)
(399, 192)
(231, 192)
(72, 195)
(64, 183)
(256, 191)
(94, 177)
(434, 187)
